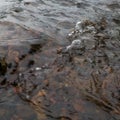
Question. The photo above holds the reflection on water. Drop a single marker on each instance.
(48, 74)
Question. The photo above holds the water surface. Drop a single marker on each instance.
(40, 79)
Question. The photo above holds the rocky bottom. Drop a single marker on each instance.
(79, 81)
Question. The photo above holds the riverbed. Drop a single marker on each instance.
(60, 60)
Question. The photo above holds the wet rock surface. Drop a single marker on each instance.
(58, 78)
(63, 82)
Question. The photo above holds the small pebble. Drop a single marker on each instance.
(38, 68)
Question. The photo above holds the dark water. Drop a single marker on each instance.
(60, 60)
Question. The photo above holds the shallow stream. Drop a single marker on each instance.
(60, 60)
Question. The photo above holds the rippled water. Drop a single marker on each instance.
(56, 17)
(57, 81)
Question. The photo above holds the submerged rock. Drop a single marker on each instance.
(58, 81)
(49, 87)
(105, 93)
(81, 28)
(76, 44)
(30, 81)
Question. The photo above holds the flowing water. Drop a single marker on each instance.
(60, 60)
